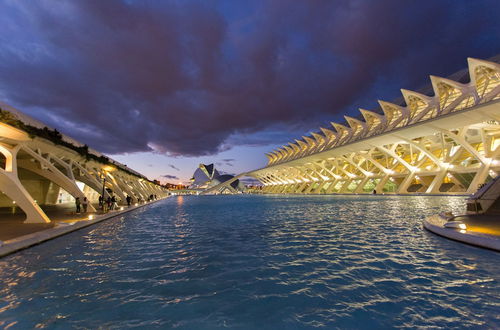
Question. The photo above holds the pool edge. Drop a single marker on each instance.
(434, 224)
(27, 241)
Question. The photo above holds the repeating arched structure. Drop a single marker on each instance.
(64, 168)
(444, 143)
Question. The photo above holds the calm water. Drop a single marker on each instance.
(267, 262)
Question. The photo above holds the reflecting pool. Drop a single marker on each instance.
(269, 262)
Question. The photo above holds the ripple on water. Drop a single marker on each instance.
(257, 262)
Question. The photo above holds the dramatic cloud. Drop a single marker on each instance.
(168, 176)
(174, 167)
(197, 77)
(226, 162)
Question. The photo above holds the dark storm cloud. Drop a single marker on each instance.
(168, 176)
(174, 167)
(226, 162)
(182, 77)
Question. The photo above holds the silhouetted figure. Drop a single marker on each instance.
(129, 200)
(77, 203)
(113, 202)
(374, 192)
(100, 200)
(108, 202)
(85, 204)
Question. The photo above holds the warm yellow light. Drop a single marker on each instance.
(108, 168)
(91, 217)
(462, 226)
(13, 133)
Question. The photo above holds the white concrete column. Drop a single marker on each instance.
(12, 187)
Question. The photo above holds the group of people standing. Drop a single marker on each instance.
(79, 204)
(107, 204)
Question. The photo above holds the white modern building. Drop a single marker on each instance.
(39, 167)
(207, 177)
(442, 139)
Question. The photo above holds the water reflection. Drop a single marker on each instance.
(256, 261)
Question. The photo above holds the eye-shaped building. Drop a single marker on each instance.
(206, 177)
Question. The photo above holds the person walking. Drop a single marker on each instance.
(85, 204)
(129, 200)
(113, 202)
(108, 203)
(77, 203)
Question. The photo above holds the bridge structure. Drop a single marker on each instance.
(443, 139)
(35, 171)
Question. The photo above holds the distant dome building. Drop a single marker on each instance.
(206, 176)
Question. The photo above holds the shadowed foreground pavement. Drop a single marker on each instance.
(12, 226)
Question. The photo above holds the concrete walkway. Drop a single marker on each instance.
(15, 235)
(12, 226)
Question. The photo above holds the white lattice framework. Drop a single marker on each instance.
(446, 143)
(63, 167)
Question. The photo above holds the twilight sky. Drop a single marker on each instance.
(165, 85)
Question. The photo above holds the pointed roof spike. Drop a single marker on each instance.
(283, 154)
(272, 159)
(295, 147)
(385, 104)
(340, 128)
(310, 141)
(278, 154)
(435, 80)
(368, 113)
(328, 133)
(301, 143)
(478, 62)
(288, 149)
(474, 63)
(319, 138)
(358, 127)
(354, 121)
(406, 93)
(390, 109)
